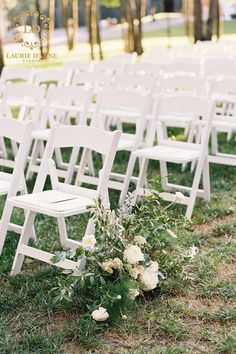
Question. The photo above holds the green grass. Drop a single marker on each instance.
(193, 314)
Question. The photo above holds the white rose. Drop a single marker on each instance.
(89, 241)
(140, 240)
(107, 266)
(133, 293)
(117, 263)
(135, 271)
(149, 278)
(100, 315)
(133, 254)
(180, 197)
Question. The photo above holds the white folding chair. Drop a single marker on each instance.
(181, 84)
(224, 94)
(52, 77)
(63, 200)
(124, 107)
(13, 181)
(27, 98)
(63, 106)
(14, 75)
(177, 152)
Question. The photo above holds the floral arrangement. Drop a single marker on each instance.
(118, 263)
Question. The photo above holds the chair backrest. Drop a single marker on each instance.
(145, 68)
(128, 58)
(61, 100)
(200, 109)
(19, 133)
(219, 68)
(78, 66)
(94, 80)
(14, 75)
(88, 138)
(181, 84)
(110, 67)
(158, 56)
(126, 106)
(183, 66)
(55, 77)
(224, 93)
(27, 97)
(135, 82)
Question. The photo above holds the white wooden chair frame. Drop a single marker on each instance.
(11, 183)
(178, 152)
(64, 199)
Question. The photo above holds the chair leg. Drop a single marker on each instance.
(90, 229)
(195, 186)
(214, 143)
(23, 241)
(206, 181)
(164, 174)
(127, 178)
(33, 159)
(62, 231)
(142, 176)
(6, 216)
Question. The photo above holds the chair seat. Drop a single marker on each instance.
(5, 182)
(168, 154)
(53, 203)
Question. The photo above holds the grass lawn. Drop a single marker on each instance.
(196, 314)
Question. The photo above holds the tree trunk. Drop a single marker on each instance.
(37, 6)
(197, 21)
(210, 20)
(92, 15)
(51, 11)
(75, 16)
(134, 11)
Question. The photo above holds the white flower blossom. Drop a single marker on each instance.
(140, 240)
(135, 271)
(89, 241)
(179, 196)
(149, 277)
(107, 266)
(100, 315)
(118, 297)
(133, 293)
(133, 254)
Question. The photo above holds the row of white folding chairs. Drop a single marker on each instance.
(64, 200)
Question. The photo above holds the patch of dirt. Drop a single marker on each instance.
(209, 225)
